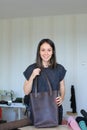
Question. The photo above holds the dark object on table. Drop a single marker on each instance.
(4, 102)
(15, 129)
(17, 100)
(2, 121)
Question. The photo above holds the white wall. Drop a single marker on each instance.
(81, 62)
(18, 43)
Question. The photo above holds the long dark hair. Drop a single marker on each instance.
(53, 58)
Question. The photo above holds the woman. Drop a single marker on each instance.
(46, 63)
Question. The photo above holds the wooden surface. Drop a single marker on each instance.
(61, 127)
(71, 114)
(14, 124)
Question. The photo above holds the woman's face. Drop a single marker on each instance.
(46, 52)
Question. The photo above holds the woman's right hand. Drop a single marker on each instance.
(36, 72)
(28, 83)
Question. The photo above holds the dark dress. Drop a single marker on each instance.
(54, 75)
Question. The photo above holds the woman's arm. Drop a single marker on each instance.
(60, 98)
(28, 83)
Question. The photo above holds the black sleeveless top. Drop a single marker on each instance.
(54, 75)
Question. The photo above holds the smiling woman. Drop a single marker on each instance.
(46, 65)
(46, 54)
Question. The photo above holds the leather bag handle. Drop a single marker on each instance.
(49, 85)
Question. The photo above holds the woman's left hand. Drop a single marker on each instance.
(59, 100)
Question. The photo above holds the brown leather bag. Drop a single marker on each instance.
(44, 107)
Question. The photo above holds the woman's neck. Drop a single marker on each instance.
(46, 64)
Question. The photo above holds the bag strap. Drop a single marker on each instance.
(49, 85)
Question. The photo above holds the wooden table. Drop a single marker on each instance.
(60, 127)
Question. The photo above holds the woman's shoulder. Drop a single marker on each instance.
(59, 66)
(61, 71)
(29, 70)
(31, 66)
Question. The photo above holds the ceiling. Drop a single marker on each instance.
(34, 8)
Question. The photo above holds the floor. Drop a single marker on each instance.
(61, 127)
